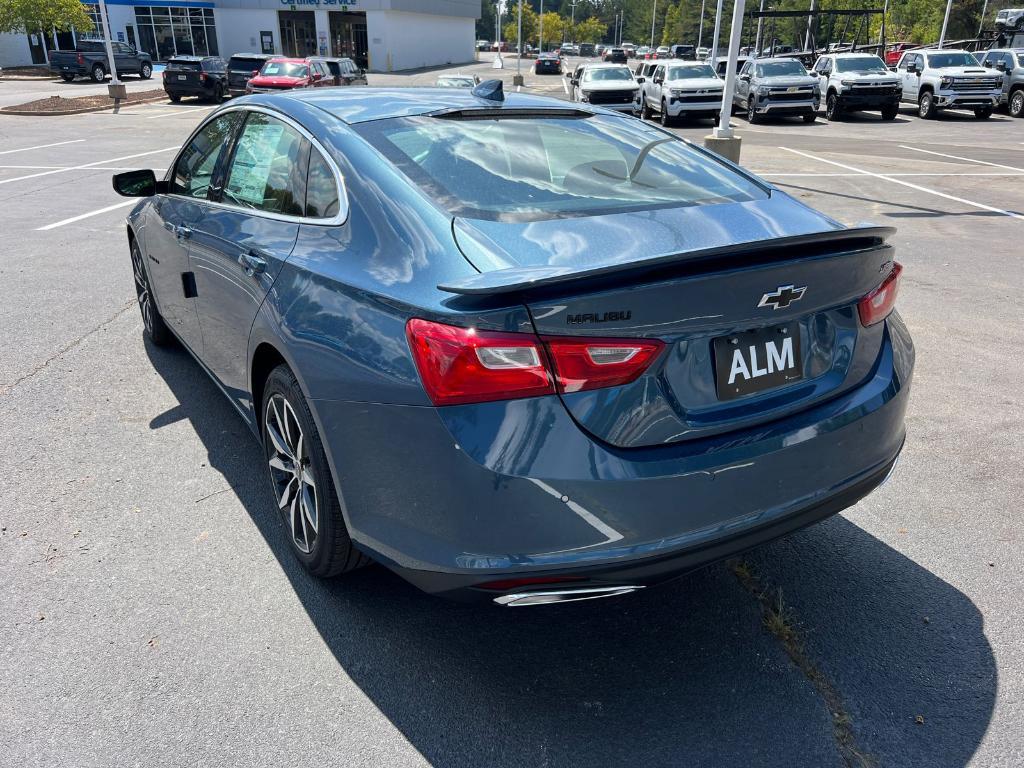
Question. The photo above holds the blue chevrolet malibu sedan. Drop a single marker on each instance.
(515, 349)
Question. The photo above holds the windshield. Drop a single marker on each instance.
(193, 65)
(690, 71)
(531, 168)
(284, 69)
(937, 60)
(780, 69)
(611, 73)
(455, 82)
(861, 64)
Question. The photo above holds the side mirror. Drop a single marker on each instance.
(1001, 66)
(912, 67)
(138, 184)
(641, 79)
(745, 78)
(659, 80)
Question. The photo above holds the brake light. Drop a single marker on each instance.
(202, 77)
(464, 365)
(581, 364)
(878, 304)
(81, 59)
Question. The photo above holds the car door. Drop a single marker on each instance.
(240, 245)
(823, 69)
(654, 93)
(742, 89)
(909, 79)
(168, 239)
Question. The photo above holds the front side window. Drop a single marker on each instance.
(533, 168)
(268, 170)
(195, 167)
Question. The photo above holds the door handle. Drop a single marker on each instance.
(252, 262)
(179, 231)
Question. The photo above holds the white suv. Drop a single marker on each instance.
(609, 85)
(682, 89)
(855, 81)
(936, 79)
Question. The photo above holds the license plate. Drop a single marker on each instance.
(793, 89)
(753, 361)
(183, 77)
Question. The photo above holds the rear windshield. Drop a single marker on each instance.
(780, 68)
(240, 62)
(195, 66)
(532, 168)
(284, 69)
(690, 71)
(937, 60)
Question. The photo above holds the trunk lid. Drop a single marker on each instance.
(188, 73)
(688, 277)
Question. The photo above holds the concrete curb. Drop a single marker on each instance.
(81, 111)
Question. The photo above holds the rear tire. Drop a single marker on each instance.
(98, 73)
(1015, 106)
(645, 110)
(984, 113)
(300, 480)
(175, 97)
(752, 116)
(156, 328)
(926, 106)
(889, 113)
(665, 117)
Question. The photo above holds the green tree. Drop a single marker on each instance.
(553, 24)
(590, 30)
(43, 15)
(511, 30)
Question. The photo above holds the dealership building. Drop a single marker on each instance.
(381, 35)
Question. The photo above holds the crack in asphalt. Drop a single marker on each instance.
(779, 622)
(7, 388)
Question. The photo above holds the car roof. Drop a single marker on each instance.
(252, 56)
(852, 54)
(185, 57)
(939, 50)
(360, 105)
(288, 60)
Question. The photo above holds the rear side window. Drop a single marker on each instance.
(196, 165)
(321, 189)
(268, 170)
(249, 65)
(534, 168)
(194, 66)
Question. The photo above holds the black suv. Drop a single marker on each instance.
(242, 67)
(202, 76)
(687, 52)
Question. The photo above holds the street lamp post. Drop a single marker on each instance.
(540, 32)
(518, 79)
(945, 22)
(718, 22)
(721, 139)
(116, 89)
(760, 24)
(981, 24)
(700, 27)
(654, 14)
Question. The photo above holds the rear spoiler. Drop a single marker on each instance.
(520, 279)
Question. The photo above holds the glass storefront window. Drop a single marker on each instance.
(165, 32)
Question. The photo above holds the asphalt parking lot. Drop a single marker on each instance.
(153, 614)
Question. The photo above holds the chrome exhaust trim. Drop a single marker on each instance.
(563, 596)
(889, 473)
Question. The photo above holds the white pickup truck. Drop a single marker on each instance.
(682, 89)
(935, 79)
(857, 81)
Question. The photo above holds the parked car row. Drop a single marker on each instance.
(211, 78)
(931, 79)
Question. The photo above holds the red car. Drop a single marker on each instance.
(281, 74)
(892, 55)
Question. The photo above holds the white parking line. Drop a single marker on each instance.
(41, 146)
(112, 168)
(97, 212)
(957, 157)
(918, 187)
(87, 165)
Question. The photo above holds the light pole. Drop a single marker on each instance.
(540, 33)
(945, 21)
(760, 23)
(654, 14)
(981, 24)
(810, 21)
(700, 28)
(572, 22)
(718, 22)
(116, 89)
(721, 139)
(518, 79)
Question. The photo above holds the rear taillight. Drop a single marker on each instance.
(81, 59)
(465, 365)
(202, 77)
(878, 304)
(581, 364)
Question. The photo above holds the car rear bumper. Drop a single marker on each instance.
(185, 89)
(455, 497)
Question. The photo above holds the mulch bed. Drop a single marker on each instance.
(58, 105)
(41, 72)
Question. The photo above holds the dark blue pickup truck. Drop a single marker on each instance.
(89, 59)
